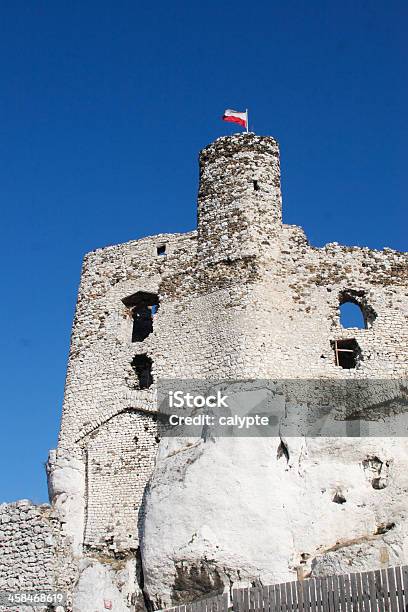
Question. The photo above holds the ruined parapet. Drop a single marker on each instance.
(239, 198)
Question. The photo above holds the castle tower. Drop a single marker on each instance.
(243, 297)
(239, 199)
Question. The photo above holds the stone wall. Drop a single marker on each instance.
(28, 535)
(120, 457)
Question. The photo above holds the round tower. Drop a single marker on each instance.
(239, 198)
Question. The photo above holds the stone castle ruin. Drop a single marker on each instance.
(139, 522)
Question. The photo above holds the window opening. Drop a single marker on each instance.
(142, 366)
(347, 353)
(355, 311)
(351, 315)
(143, 308)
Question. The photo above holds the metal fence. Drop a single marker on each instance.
(384, 590)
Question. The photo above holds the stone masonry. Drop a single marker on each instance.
(244, 296)
(27, 537)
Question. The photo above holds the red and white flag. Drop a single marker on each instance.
(236, 117)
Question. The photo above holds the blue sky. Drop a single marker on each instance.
(103, 109)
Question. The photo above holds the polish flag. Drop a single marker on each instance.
(236, 117)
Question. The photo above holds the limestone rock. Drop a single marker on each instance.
(237, 511)
(96, 589)
(66, 486)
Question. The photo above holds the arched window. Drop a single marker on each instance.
(351, 315)
(355, 310)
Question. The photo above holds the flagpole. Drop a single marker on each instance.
(247, 125)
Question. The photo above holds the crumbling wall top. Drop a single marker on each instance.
(240, 143)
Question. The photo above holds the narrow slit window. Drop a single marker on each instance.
(347, 353)
(161, 249)
(256, 185)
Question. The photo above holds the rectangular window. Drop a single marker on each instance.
(142, 366)
(347, 353)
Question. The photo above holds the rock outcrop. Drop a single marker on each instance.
(239, 511)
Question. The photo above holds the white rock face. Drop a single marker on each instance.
(96, 589)
(239, 511)
(66, 488)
